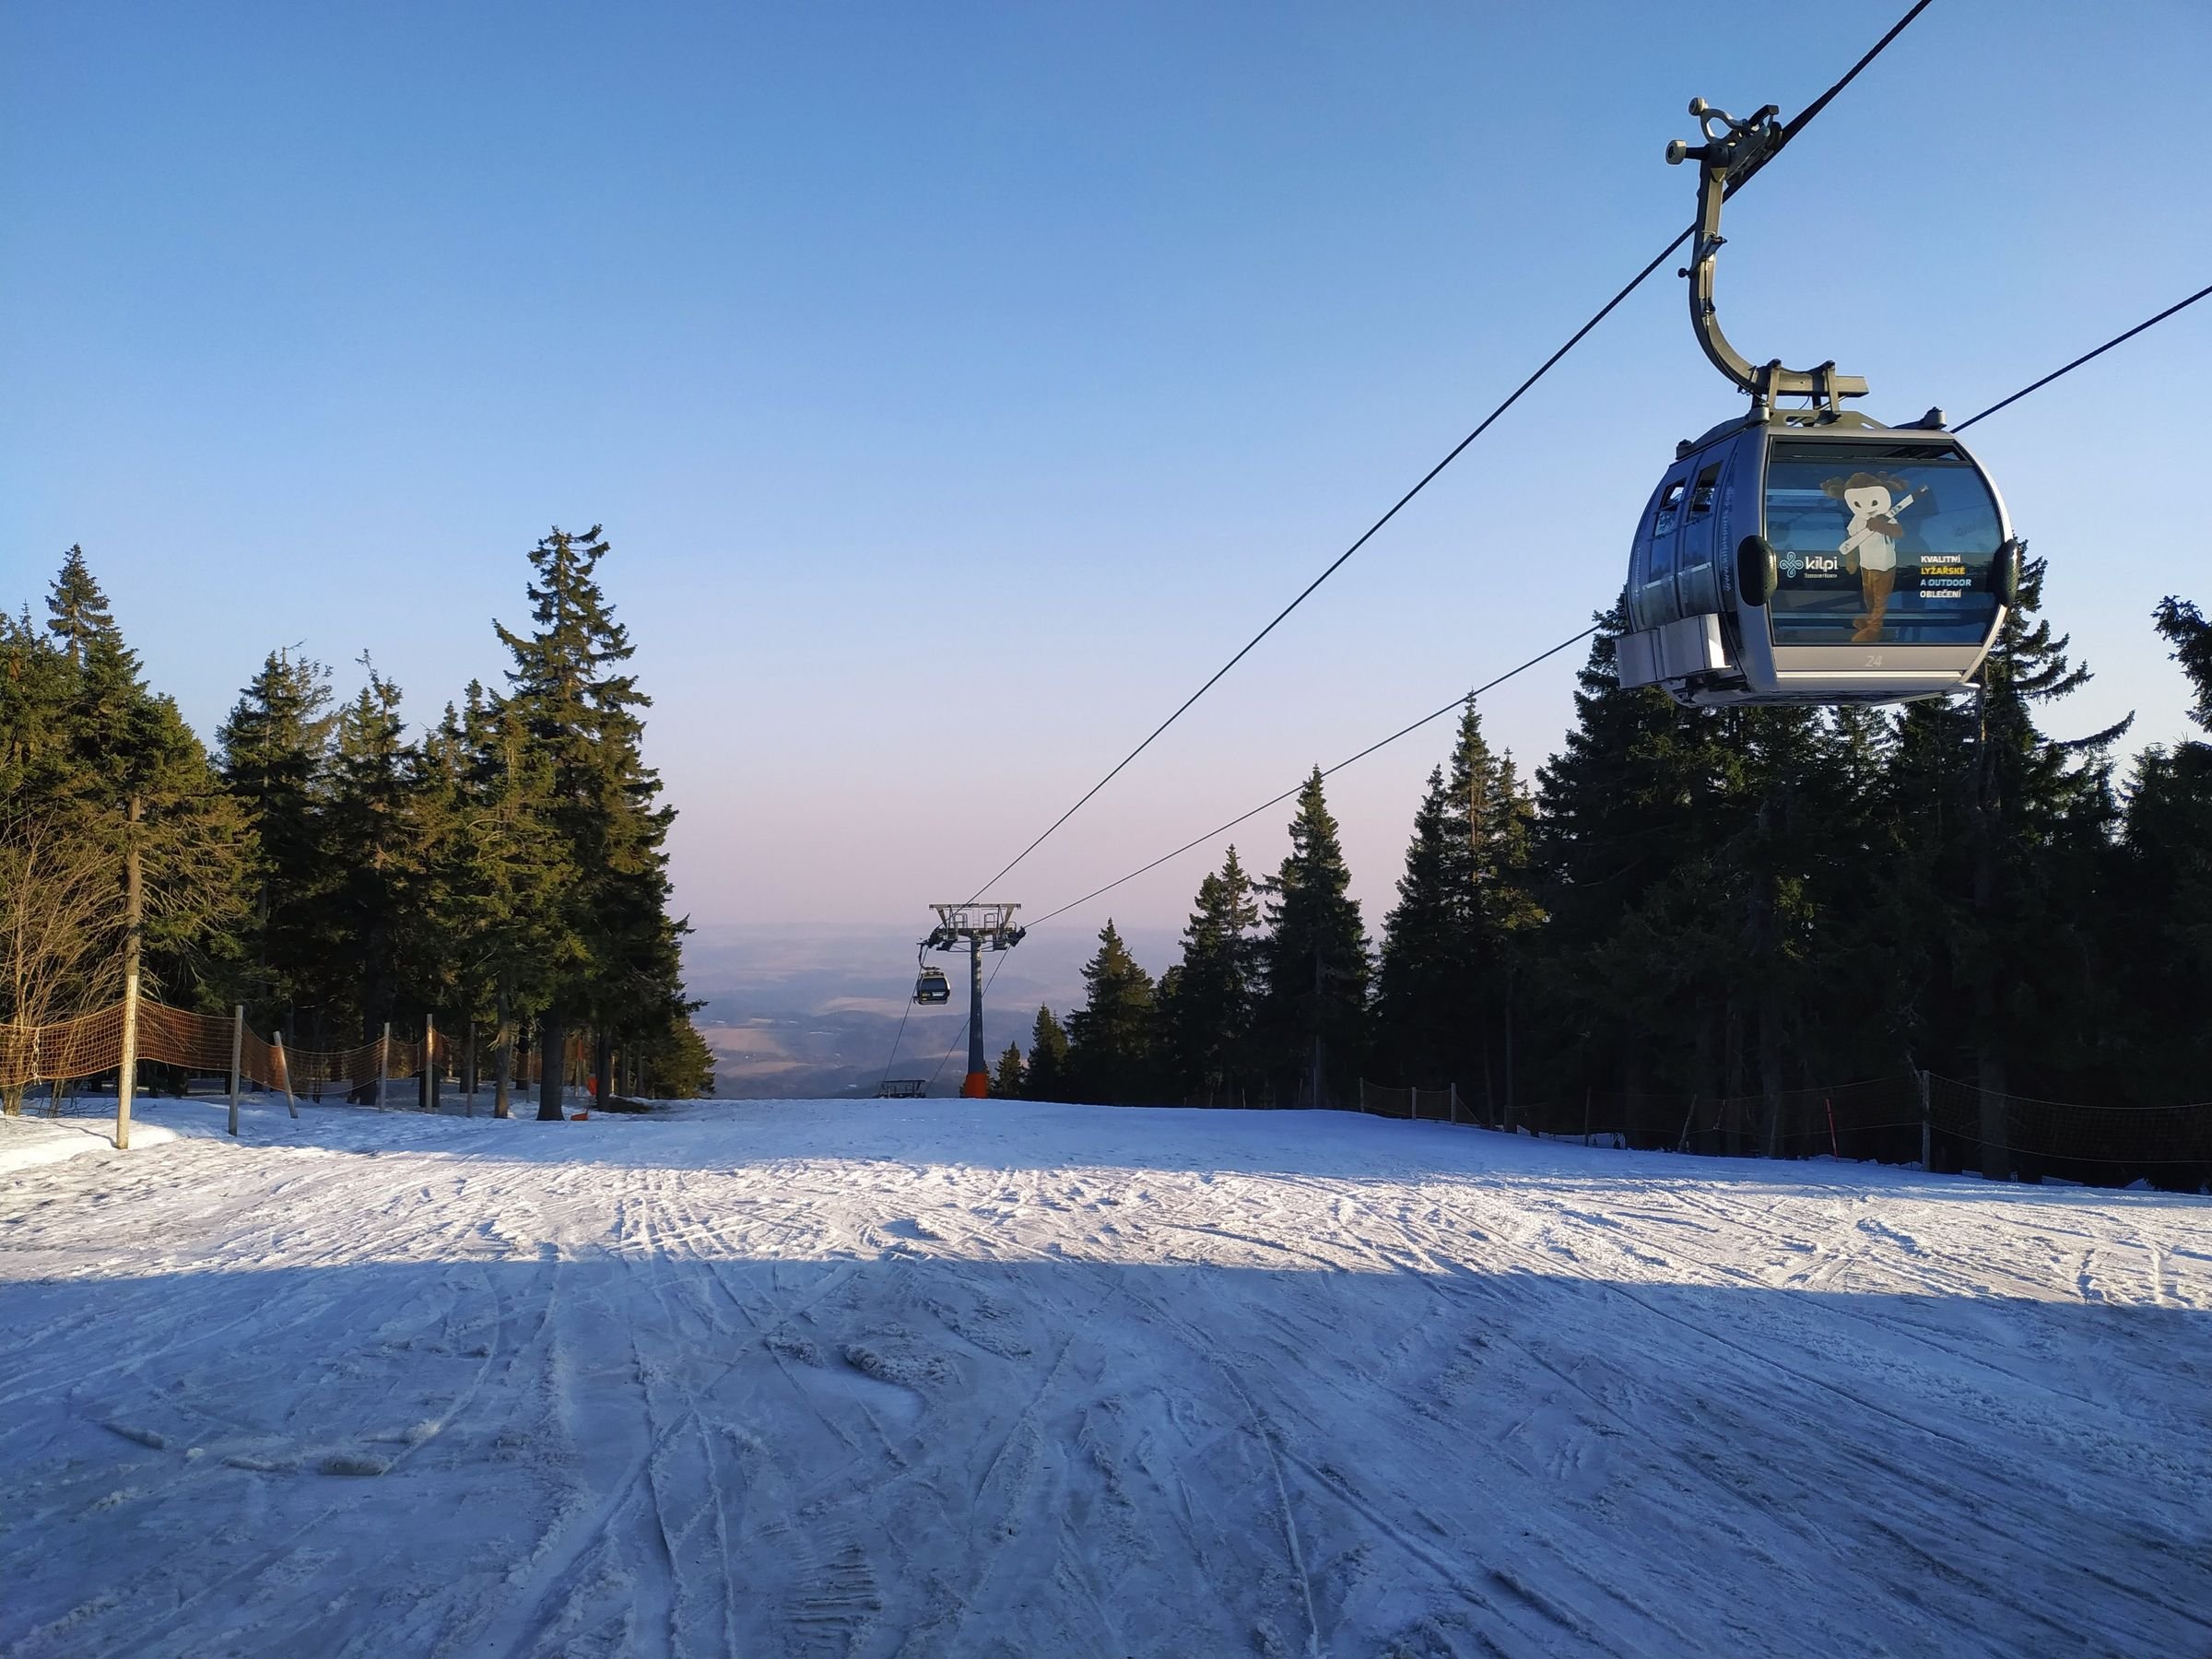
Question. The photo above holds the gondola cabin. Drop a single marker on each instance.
(931, 986)
(1801, 557)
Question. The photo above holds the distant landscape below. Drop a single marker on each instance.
(808, 1011)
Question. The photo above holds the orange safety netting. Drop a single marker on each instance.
(67, 1048)
(92, 1043)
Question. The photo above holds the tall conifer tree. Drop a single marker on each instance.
(274, 751)
(1045, 1076)
(77, 611)
(1626, 804)
(1110, 1038)
(375, 842)
(581, 708)
(2006, 829)
(2160, 929)
(37, 684)
(1207, 999)
(133, 779)
(1314, 960)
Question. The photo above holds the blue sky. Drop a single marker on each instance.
(959, 384)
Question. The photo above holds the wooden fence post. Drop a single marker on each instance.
(426, 1088)
(237, 1047)
(134, 916)
(502, 1058)
(468, 1071)
(1688, 1117)
(383, 1061)
(283, 1072)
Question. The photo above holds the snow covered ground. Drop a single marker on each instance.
(33, 1138)
(980, 1378)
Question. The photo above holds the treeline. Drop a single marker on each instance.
(503, 872)
(1729, 903)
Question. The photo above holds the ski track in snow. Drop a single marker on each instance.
(849, 1381)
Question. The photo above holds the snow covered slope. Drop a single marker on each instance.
(33, 1138)
(980, 1378)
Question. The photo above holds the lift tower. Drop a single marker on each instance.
(982, 927)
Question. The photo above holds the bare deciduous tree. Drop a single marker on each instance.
(61, 918)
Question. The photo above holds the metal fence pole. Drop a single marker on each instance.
(237, 1048)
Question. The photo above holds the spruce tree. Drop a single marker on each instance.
(274, 754)
(2007, 829)
(76, 609)
(675, 1062)
(110, 793)
(1627, 799)
(454, 921)
(580, 710)
(142, 782)
(1632, 799)
(1110, 1057)
(62, 908)
(1453, 944)
(1207, 999)
(1315, 962)
(1424, 967)
(1045, 1077)
(1006, 1083)
(1724, 946)
(2159, 929)
(2189, 636)
(510, 871)
(37, 684)
(376, 850)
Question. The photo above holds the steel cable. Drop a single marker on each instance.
(1788, 131)
(1458, 702)
(2084, 357)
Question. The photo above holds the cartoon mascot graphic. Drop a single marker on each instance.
(1874, 501)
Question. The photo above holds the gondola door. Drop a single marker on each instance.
(1651, 599)
(1697, 571)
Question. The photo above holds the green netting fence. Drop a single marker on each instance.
(1915, 1118)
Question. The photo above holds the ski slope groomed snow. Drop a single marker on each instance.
(1017, 1381)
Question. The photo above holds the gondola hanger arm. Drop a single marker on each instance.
(1733, 150)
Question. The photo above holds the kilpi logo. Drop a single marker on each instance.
(1794, 564)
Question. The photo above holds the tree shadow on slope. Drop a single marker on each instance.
(649, 1450)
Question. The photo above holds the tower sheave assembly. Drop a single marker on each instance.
(979, 927)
